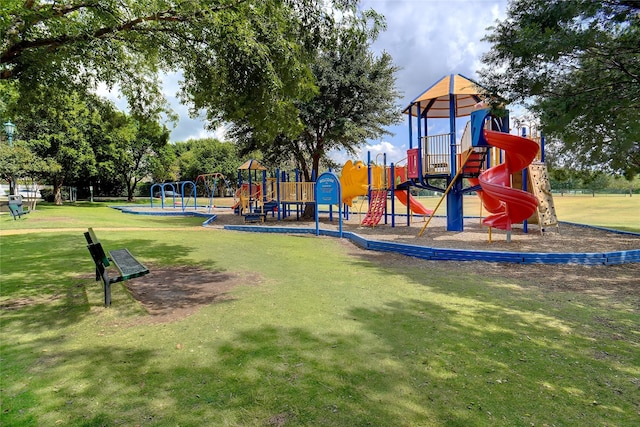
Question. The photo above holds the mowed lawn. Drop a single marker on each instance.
(316, 333)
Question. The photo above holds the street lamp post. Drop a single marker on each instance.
(10, 130)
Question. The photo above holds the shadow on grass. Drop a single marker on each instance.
(264, 376)
(511, 344)
(44, 285)
(412, 363)
(490, 362)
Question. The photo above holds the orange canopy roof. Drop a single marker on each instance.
(252, 165)
(436, 99)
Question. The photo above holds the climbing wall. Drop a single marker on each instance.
(542, 190)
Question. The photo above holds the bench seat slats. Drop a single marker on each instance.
(16, 210)
(128, 266)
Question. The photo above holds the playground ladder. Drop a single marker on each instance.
(542, 190)
(376, 207)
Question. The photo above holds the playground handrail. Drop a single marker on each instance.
(436, 153)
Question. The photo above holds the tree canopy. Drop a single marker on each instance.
(356, 98)
(206, 156)
(231, 52)
(576, 64)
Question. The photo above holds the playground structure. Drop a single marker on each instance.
(506, 171)
(261, 195)
(184, 194)
(378, 182)
(496, 164)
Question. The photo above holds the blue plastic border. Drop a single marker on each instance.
(444, 254)
(133, 210)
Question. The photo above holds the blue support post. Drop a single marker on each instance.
(420, 160)
(386, 185)
(455, 215)
(420, 149)
(369, 176)
(525, 223)
(393, 195)
(278, 194)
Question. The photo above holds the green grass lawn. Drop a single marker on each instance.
(317, 334)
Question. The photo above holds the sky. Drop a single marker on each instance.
(427, 39)
(430, 39)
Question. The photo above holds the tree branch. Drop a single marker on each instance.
(14, 51)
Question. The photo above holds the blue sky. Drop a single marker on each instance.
(427, 39)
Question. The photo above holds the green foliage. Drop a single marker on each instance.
(60, 129)
(135, 162)
(244, 61)
(576, 63)
(565, 179)
(16, 160)
(205, 156)
(355, 99)
(77, 138)
(163, 166)
(232, 53)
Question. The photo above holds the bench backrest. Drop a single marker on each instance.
(95, 247)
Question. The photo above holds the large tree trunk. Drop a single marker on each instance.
(310, 208)
(309, 211)
(130, 191)
(57, 194)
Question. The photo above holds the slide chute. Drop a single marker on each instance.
(415, 206)
(507, 205)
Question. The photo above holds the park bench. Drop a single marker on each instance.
(16, 207)
(126, 264)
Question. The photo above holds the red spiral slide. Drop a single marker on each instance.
(507, 205)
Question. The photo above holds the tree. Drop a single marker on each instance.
(594, 181)
(134, 161)
(163, 166)
(205, 156)
(60, 129)
(355, 99)
(232, 52)
(576, 64)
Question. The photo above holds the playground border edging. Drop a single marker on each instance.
(434, 254)
(444, 254)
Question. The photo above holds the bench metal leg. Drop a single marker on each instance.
(107, 289)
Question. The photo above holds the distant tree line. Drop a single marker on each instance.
(567, 181)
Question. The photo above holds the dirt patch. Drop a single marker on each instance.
(170, 294)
